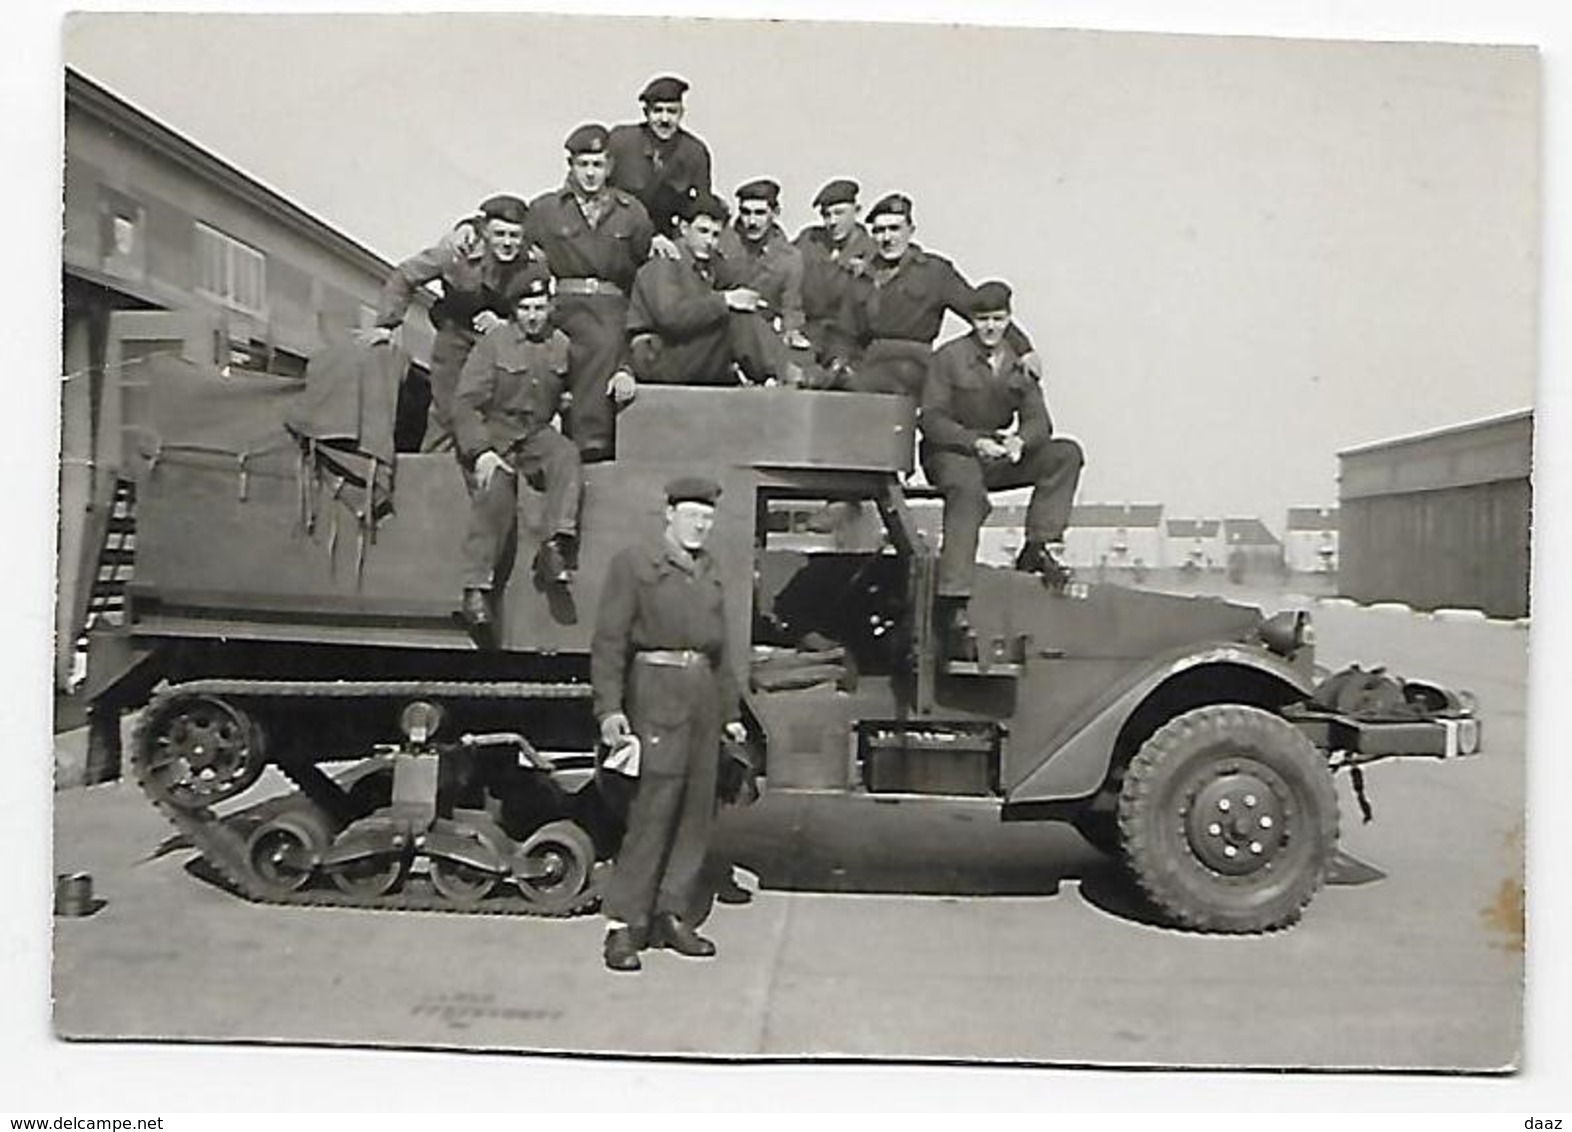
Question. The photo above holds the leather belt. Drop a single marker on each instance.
(672, 658)
(587, 286)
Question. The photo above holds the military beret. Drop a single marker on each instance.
(761, 189)
(588, 138)
(666, 88)
(993, 295)
(530, 281)
(842, 190)
(703, 204)
(692, 489)
(896, 204)
(504, 207)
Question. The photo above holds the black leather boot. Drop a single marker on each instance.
(622, 950)
(670, 932)
(553, 564)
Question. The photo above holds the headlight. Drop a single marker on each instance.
(1287, 632)
(420, 720)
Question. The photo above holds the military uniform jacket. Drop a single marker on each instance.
(908, 302)
(676, 299)
(612, 250)
(964, 398)
(828, 268)
(661, 174)
(772, 267)
(469, 286)
(510, 388)
(659, 597)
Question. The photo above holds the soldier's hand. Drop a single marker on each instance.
(622, 387)
(797, 340)
(487, 465)
(665, 247)
(742, 299)
(487, 321)
(614, 730)
(464, 240)
(736, 731)
(989, 448)
(1033, 364)
(374, 336)
(1013, 447)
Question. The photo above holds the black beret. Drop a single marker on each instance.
(842, 190)
(993, 295)
(896, 204)
(703, 204)
(761, 189)
(666, 88)
(588, 138)
(504, 207)
(531, 280)
(692, 489)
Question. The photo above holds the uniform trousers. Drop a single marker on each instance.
(449, 351)
(596, 326)
(706, 359)
(1051, 469)
(550, 463)
(675, 712)
(892, 365)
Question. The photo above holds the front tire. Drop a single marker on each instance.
(1229, 820)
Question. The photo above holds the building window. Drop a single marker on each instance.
(231, 272)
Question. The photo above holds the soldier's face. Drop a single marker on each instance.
(754, 218)
(505, 239)
(839, 219)
(690, 522)
(663, 118)
(892, 233)
(990, 326)
(700, 235)
(533, 314)
(589, 171)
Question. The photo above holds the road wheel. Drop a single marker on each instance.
(1229, 819)
(557, 858)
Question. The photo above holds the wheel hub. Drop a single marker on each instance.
(1236, 822)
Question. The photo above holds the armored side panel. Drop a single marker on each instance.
(247, 532)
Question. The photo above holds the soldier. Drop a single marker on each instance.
(832, 253)
(508, 395)
(895, 307)
(683, 328)
(661, 673)
(755, 253)
(985, 426)
(593, 237)
(657, 160)
(471, 303)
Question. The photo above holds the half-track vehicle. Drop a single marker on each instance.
(314, 719)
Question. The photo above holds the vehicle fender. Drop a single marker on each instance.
(1077, 765)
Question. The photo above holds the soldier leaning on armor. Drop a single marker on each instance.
(986, 427)
(661, 672)
(474, 276)
(508, 394)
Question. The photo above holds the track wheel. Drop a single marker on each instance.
(463, 883)
(196, 750)
(1229, 819)
(554, 865)
(285, 850)
(372, 875)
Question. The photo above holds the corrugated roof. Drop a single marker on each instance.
(1248, 532)
(1194, 528)
(1127, 515)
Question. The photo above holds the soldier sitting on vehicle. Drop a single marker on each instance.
(985, 427)
(686, 327)
(510, 390)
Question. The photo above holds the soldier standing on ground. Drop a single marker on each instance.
(986, 427)
(507, 398)
(657, 160)
(471, 302)
(661, 673)
(593, 237)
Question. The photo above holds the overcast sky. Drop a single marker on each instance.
(1237, 255)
